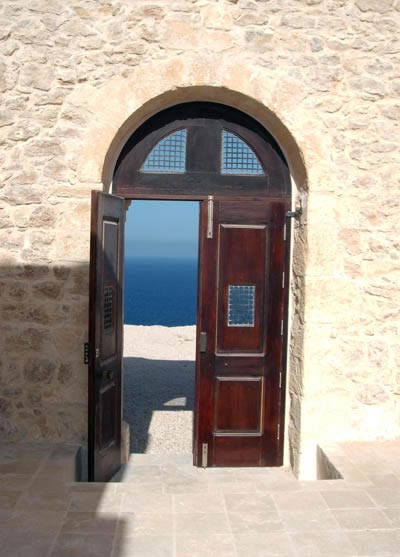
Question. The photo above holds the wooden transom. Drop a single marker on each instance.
(194, 150)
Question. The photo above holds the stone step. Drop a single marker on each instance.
(136, 459)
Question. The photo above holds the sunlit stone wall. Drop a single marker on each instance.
(75, 79)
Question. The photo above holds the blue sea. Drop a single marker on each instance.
(160, 291)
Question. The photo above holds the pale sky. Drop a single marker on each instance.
(162, 229)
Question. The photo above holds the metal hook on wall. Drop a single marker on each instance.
(296, 214)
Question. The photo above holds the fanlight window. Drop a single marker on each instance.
(169, 155)
(238, 157)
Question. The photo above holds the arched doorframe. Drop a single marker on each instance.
(106, 139)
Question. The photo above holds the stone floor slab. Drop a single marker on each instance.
(393, 514)
(275, 544)
(245, 502)
(146, 502)
(361, 519)
(45, 499)
(23, 545)
(145, 524)
(347, 499)
(199, 503)
(385, 480)
(298, 501)
(202, 523)
(95, 502)
(213, 545)
(321, 544)
(89, 523)
(255, 522)
(184, 486)
(376, 543)
(143, 546)
(385, 497)
(304, 521)
(79, 545)
(8, 499)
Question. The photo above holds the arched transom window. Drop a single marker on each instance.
(198, 149)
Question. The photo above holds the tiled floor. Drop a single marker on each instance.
(163, 507)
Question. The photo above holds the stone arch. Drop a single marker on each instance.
(124, 104)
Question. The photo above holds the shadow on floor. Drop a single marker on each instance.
(43, 512)
(152, 386)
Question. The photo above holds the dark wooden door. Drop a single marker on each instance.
(105, 335)
(241, 327)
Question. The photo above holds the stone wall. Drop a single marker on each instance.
(323, 75)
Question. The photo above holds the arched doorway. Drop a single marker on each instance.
(224, 159)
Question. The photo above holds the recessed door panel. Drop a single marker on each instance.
(241, 288)
(110, 254)
(238, 407)
(237, 451)
(107, 425)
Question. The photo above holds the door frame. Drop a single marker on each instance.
(203, 214)
(203, 178)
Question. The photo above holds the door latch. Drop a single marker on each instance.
(204, 455)
(210, 216)
(203, 342)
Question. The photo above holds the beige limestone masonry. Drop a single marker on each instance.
(76, 78)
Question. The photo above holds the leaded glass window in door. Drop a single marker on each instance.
(241, 305)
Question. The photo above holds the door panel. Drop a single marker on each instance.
(239, 400)
(105, 335)
(241, 288)
(238, 404)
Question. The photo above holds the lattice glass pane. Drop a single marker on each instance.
(169, 155)
(238, 157)
(108, 307)
(241, 302)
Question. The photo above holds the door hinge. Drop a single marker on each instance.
(203, 341)
(283, 279)
(281, 327)
(86, 353)
(280, 380)
(204, 455)
(284, 232)
(210, 216)
(278, 433)
(294, 214)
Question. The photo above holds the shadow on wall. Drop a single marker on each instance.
(43, 397)
(43, 381)
(153, 386)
